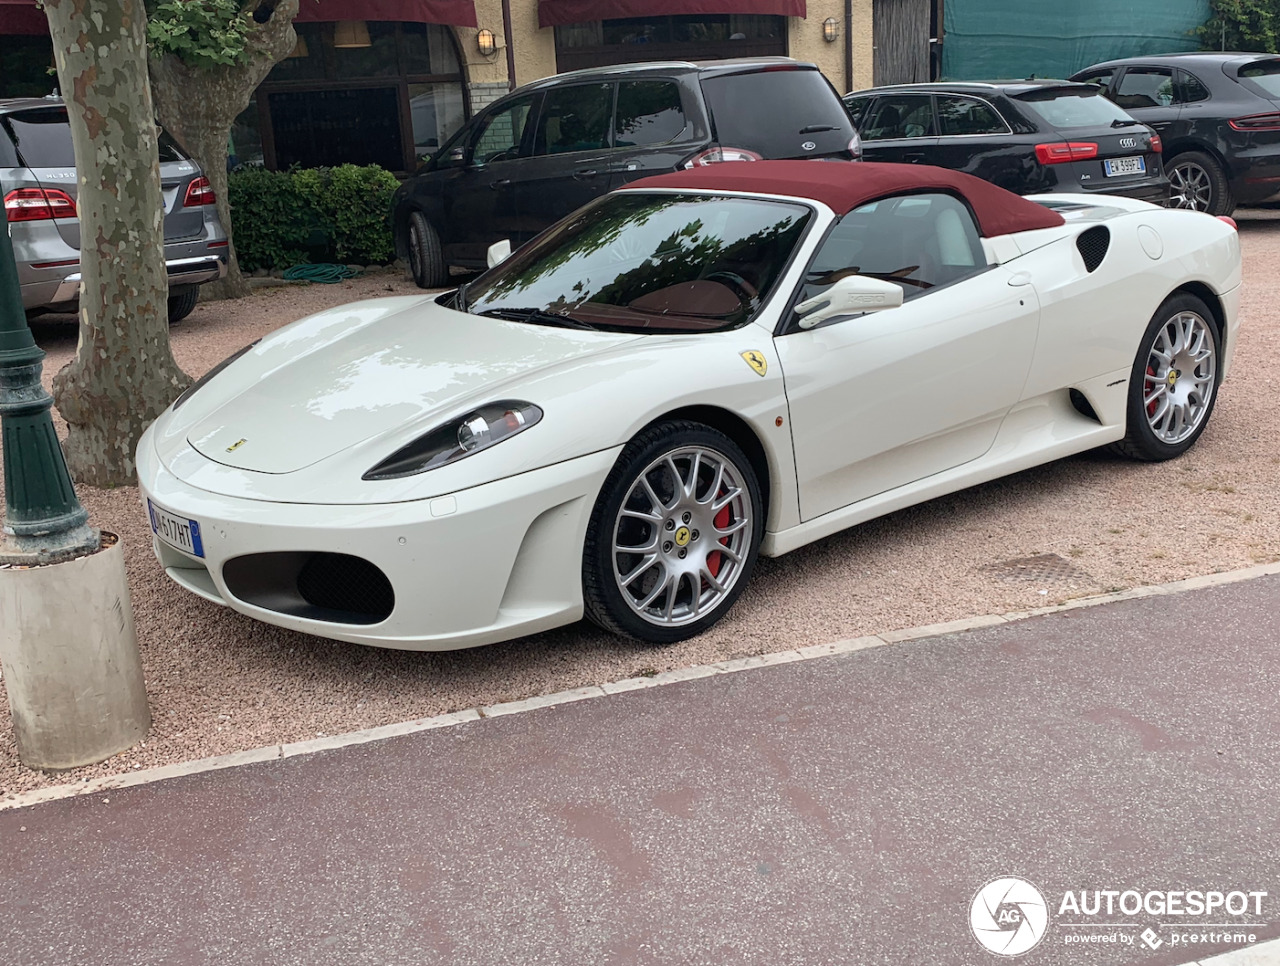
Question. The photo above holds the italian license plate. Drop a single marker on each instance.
(1118, 166)
(176, 531)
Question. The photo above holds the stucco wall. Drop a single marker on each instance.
(806, 41)
(535, 49)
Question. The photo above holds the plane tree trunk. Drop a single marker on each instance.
(123, 374)
(198, 104)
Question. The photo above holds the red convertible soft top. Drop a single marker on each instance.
(843, 186)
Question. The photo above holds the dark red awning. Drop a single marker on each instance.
(456, 13)
(551, 13)
(22, 18)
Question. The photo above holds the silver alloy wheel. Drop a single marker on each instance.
(1181, 369)
(682, 536)
(1192, 187)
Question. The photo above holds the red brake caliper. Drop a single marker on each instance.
(1151, 406)
(713, 559)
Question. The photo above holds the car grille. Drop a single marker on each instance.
(338, 581)
(333, 587)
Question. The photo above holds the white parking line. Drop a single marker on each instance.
(271, 752)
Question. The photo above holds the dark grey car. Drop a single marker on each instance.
(1219, 117)
(38, 182)
(548, 148)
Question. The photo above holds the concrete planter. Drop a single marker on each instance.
(70, 659)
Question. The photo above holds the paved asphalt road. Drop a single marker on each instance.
(840, 810)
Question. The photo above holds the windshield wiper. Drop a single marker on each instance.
(818, 128)
(1124, 122)
(538, 317)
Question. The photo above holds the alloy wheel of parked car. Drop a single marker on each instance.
(1197, 181)
(1175, 381)
(674, 535)
(426, 259)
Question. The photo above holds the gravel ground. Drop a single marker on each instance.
(220, 682)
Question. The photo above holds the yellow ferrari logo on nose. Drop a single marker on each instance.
(236, 445)
(682, 537)
(756, 361)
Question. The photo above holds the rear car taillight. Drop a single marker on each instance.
(38, 204)
(1061, 152)
(716, 155)
(1257, 122)
(199, 192)
(855, 147)
(1156, 144)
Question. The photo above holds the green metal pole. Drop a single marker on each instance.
(43, 521)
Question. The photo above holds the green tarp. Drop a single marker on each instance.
(996, 39)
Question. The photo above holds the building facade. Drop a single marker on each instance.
(387, 81)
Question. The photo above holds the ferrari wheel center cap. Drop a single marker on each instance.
(682, 537)
(1173, 378)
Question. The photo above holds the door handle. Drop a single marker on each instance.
(500, 183)
(585, 173)
(914, 158)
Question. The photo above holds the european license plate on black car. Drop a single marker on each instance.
(1119, 166)
(176, 531)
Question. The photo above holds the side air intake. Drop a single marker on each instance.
(1093, 245)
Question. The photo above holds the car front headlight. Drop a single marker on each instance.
(476, 431)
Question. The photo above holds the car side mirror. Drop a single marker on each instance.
(499, 252)
(851, 295)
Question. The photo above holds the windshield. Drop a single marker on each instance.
(647, 263)
(1073, 108)
(1263, 76)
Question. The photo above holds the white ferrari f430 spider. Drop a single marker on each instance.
(703, 367)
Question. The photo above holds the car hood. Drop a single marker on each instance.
(367, 370)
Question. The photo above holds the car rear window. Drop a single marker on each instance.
(43, 138)
(1073, 108)
(774, 112)
(1262, 77)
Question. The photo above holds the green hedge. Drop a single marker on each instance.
(285, 218)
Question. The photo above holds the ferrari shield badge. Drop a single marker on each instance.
(236, 445)
(756, 361)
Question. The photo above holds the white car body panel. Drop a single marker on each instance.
(882, 400)
(854, 418)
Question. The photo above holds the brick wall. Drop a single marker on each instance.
(484, 94)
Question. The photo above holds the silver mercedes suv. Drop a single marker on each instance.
(38, 182)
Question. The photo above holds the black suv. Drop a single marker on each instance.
(548, 148)
(1218, 115)
(1027, 136)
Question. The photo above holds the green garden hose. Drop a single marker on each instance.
(325, 274)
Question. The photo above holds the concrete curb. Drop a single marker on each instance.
(270, 752)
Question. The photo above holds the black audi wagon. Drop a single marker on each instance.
(1030, 137)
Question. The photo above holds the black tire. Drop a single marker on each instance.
(426, 258)
(1198, 181)
(183, 304)
(1141, 441)
(602, 593)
